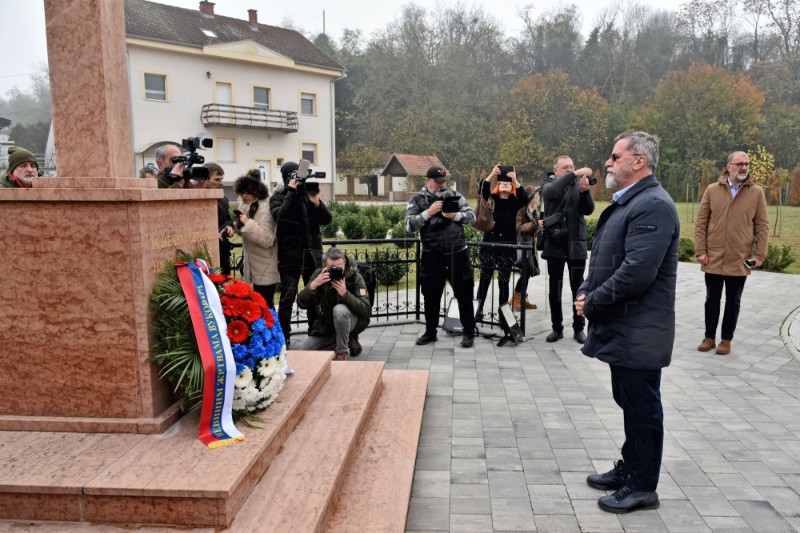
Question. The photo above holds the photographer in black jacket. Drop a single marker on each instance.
(299, 216)
(569, 191)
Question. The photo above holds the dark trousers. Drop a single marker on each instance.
(289, 283)
(734, 285)
(638, 393)
(268, 292)
(434, 270)
(503, 261)
(225, 257)
(555, 272)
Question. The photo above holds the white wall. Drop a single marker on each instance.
(189, 88)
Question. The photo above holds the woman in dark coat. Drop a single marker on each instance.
(509, 197)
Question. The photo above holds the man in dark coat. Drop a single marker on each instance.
(629, 300)
(299, 216)
(216, 176)
(566, 190)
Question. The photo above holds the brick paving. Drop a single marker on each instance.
(509, 434)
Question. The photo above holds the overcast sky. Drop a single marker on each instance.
(24, 29)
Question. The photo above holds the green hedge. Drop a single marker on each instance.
(778, 259)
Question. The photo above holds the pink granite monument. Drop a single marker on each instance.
(82, 250)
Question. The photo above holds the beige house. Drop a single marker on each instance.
(264, 94)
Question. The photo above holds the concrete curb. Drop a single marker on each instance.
(792, 322)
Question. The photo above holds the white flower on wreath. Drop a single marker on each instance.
(244, 379)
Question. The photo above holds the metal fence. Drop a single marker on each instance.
(398, 297)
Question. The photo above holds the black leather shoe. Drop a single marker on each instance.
(554, 336)
(580, 336)
(612, 480)
(354, 345)
(629, 499)
(427, 338)
(467, 341)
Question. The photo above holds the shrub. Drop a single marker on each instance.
(352, 225)
(591, 229)
(472, 234)
(394, 214)
(387, 273)
(686, 250)
(778, 259)
(334, 207)
(375, 228)
(330, 230)
(399, 232)
(349, 208)
(370, 211)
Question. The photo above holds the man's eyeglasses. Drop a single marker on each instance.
(617, 157)
(740, 165)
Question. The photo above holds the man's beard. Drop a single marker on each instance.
(27, 180)
(617, 181)
(740, 177)
(611, 181)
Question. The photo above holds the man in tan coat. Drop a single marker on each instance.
(732, 217)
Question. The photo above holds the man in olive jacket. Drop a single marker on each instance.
(629, 300)
(342, 296)
(733, 214)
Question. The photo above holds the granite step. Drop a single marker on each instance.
(377, 489)
(170, 478)
(301, 486)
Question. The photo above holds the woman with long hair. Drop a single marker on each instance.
(509, 197)
(528, 230)
(256, 226)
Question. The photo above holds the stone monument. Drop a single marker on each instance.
(82, 250)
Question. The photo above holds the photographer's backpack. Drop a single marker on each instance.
(366, 271)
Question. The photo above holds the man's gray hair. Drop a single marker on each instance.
(161, 150)
(734, 154)
(334, 254)
(642, 143)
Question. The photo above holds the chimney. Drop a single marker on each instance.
(207, 8)
(253, 14)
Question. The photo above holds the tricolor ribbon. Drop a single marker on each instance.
(210, 329)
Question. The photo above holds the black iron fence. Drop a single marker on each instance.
(398, 297)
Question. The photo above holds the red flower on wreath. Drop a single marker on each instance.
(268, 318)
(250, 311)
(231, 306)
(258, 299)
(238, 331)
(237, 288)
(218, 278)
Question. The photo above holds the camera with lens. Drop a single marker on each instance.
(304, 172)
(190, 158)
(592, 180)
(336, 273)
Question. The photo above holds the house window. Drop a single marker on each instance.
(308, 104)
(260, 97)
(155, 86)
(224, 93)
(280, 161)
(226, 150)
(310, 152)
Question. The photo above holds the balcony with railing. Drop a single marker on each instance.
(249, 117)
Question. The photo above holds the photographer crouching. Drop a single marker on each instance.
(341, 294)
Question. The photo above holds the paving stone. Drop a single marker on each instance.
(541, 472)
(709, 501)
(680, 515)
(470, 522)
(507, 485)
(503, 459)
(428, 514)
(783, 499)
(761, 516)
(556, 523)
(643, 521)
(758, 474)
(573, 460)
(468, 471)
(512, 515)
(549, 499)
(431, 484)
(726, 524)
(592, 518)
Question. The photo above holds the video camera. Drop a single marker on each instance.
(304, 172)
(190, 158)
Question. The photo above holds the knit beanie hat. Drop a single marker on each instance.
(18, 155)
(251, 183)
(287, 168)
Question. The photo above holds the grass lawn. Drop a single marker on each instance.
(789, 226)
